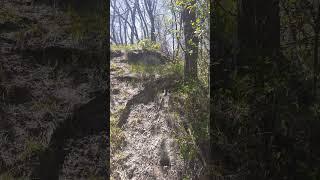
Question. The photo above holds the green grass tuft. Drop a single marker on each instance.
(32, 147)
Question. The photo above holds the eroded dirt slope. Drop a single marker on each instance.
(142, 110)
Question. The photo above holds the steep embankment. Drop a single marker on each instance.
(144, 128)
(53, 97)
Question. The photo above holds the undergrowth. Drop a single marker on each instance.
(32, 147)
(84, 25)
(162, 70)
(144, 44)
(6, 176)
(116, 135)
(8, 15)
(192, 102)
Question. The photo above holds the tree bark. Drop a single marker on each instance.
(191, 43)
(259, 39)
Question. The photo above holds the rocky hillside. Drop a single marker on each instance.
(145, 128)
(53, 96)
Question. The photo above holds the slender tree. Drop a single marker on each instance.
(150, 6)
(143, 22)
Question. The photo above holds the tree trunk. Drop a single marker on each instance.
(191, 43)
(259, 39)
(114, 37)
(126, 30)
(120, 30)
(134, 19)
(150, 6)
(143, 22)
(153, 30)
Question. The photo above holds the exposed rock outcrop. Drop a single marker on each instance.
(146, 57)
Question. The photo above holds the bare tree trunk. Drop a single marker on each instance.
(143, 22)
(120, 30)
(114, 37)
(150, 6)
(133, 19)
(126, 30)
(176, 30)
(120, 16)
(112, 26)
(173, 48)
(133, 10)
(180, 35)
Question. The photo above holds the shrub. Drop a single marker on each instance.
(147, 44)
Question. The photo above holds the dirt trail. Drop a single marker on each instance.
(150, 151)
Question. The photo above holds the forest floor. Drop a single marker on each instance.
(44, 88)
(144, 126)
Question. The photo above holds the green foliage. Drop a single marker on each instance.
(186, 178)
(196, 110)
(202, 8)
(147, 44)
(162, 70)
(197, 106)
(124, 47)
(144, 44)
(187, 149)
